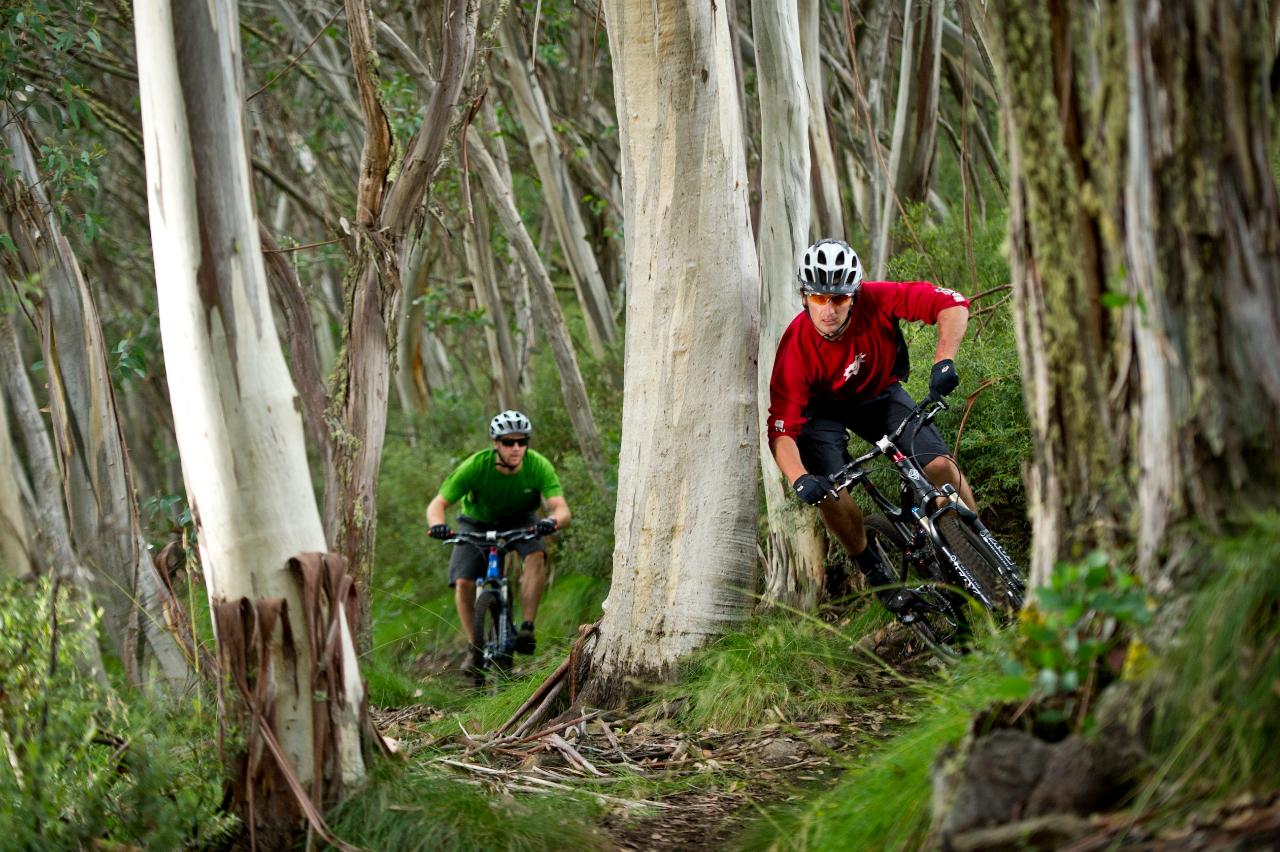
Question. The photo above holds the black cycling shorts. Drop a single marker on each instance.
(470, 562)
(824, 439)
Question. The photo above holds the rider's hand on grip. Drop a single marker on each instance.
(944, 379)
(440, 531)
(545, 526)
(813, 489)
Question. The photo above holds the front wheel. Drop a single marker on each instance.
(943, 624)
(981, 564)
(488, 648)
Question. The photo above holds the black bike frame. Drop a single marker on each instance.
(914, 515)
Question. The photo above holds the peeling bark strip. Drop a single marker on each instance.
(1145, 247)
(267, 794)
(96, 476)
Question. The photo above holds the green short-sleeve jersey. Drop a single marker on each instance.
(487, 494)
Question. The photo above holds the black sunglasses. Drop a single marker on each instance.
(514, 442)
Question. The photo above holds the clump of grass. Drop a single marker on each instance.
(417, 807)
(1217, 722)
(883, 800)
(794, 662)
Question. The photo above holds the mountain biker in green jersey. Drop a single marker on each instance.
(500, 489)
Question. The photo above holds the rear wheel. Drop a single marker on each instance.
(487, 649)
(981, 564)
(942, 625)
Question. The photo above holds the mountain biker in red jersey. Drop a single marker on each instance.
(838, 367)
(500, 489)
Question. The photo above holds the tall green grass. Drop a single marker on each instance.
(883, 799)
(1216, 731)
(795, 662)
(419, 807)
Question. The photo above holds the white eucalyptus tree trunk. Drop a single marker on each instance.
(796, 551)
(915, 120)
(235, 410)
(557, 187)
(685, 552)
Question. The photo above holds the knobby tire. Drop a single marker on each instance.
(486, 628)
(982, 565)
(945, 622)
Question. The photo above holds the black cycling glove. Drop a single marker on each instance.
(440, 531)
(813, 489)
(944, 379)
(545, 526)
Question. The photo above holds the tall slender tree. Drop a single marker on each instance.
(796, 551)
(287, 649)
(685, 538)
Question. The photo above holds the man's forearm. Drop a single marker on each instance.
(435, 511)
(787, 455)
(952, 323)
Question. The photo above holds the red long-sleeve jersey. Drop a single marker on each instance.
(869, 357)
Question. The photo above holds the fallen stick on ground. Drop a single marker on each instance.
(572, 753)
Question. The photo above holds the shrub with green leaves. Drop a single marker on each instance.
(1078, 629)
(79, 764)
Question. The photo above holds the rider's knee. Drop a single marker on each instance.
(944, 468)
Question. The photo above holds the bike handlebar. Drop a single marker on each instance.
(500, 538)
(925, 411)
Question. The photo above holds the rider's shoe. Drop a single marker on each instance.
(472, 668)
(900, 602)
(525, 642)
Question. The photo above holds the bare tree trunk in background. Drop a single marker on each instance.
(514, 275)
(497, 334)
(49, 545)
(51, 548)
(557, 188)
(796, 548)
(410, 386)
(1148, 320)
(286, 646)
(547, 308)
(908, 176)
(828, 216)
(386, 213)
(96, 478)
(685, 528)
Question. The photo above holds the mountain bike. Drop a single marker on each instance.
(941, 550)
(493, 626)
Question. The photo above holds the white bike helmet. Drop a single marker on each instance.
(509, 423)
(830, 267)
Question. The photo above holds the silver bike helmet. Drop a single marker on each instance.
(830, 267)
(509, 423)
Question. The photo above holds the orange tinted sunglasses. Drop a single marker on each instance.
(839, 299)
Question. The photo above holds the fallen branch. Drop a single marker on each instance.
(572, 753)
(536, 696)
(545, 707)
